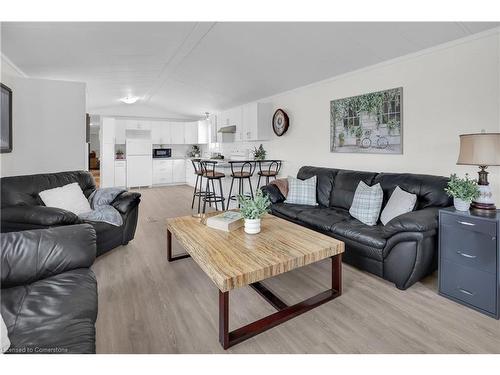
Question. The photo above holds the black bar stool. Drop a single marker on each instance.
(198, 186)
(208, 171)
(270, 170)
(240, 170)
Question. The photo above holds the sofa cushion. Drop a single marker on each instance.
(68, 197)
(56, 313)
(322, 218)
(345, 185)
(367, 203)
(324, 184)
(302, 191)
(374, 236)
(400, 202)
(289, 210)
(428, 189)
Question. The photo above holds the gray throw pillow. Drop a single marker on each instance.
(302, 191)
(367, 203)
(400, 202)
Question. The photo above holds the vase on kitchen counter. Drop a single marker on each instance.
(252, 210)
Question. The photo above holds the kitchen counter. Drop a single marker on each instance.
(224, 163)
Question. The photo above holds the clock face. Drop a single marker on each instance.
(280, 122)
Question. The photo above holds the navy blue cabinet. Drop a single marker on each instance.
(469, 259)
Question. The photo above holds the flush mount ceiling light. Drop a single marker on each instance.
(129, 99)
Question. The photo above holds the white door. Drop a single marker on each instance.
(139, 171)
(179, 173)
(107, 165)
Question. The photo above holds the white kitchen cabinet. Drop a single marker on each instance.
(191, 133)
(213, 128)
(120, 131)
(203, 132)
(138, 125)
(256, 122)
(177, 135)
(120, 173)
(163, 172)
(107, 131)
(179, 170)
(190, 176)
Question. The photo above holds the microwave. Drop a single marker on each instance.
(162, 153)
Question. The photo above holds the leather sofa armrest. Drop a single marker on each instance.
(416, 221)
(273, 193)
(32, 255)
(126, 201)
(39, 215)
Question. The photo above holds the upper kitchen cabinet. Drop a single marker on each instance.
(138, 125)
(256, 122)
(191, 133)
(108, 130)
(161, 133)
(120, 131)
(203, 132)
(177, 129)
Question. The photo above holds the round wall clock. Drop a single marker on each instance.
(280, 122)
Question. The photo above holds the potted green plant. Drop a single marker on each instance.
(463, 191)
(341, 139)
(253, 210)
(358, 133)
(120, 154)
(194, 152)
(259, 153)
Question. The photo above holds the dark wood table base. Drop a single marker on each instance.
(285, 312)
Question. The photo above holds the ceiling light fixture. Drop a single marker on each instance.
(129, 99)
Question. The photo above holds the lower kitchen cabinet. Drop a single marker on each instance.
(169, 171)
(120, 173)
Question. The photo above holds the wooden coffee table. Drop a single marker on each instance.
(237, 259)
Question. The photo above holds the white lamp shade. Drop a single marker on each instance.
(479, 149)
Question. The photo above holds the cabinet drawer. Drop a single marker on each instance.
(469, 248)
(161, 180)
(477, 288)
(470, 223)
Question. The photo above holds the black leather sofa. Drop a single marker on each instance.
(48, 292)
(403, 251)
(23, 209)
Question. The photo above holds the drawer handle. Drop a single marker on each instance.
(466, 223)
(466, 255)
(465, 291)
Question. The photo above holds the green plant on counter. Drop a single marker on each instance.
(195, 150)
(465, 189)
(254, 208)
(259, 153)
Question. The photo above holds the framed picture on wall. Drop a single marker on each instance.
(5, 119)
(369, 123)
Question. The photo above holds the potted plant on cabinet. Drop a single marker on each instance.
(120, 154)
(259, 153)
(463, 191)
(253, 210)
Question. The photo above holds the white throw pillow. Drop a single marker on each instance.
(302, 191)
(399, 203)
(4, 336)
(68, 197)
(367, 203)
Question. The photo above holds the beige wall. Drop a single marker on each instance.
(447, 91)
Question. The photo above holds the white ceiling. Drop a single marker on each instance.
(187, 68)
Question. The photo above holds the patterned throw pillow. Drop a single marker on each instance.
(399, 203)
(302, 191)
(367, 203)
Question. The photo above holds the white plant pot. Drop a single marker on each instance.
(461, 205)
(252, 226)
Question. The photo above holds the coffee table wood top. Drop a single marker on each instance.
(235, 259)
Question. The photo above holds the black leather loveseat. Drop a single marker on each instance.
(23, 209)
(49, 293)
(403, 251)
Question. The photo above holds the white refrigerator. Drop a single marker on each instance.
(139, 162)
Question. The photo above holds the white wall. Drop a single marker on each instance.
(447, 91)
(48, 126)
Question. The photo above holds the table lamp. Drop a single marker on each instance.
(483, 150)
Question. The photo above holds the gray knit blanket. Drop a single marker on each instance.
(100, 202)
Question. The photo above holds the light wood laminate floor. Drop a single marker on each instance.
(147, 305)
